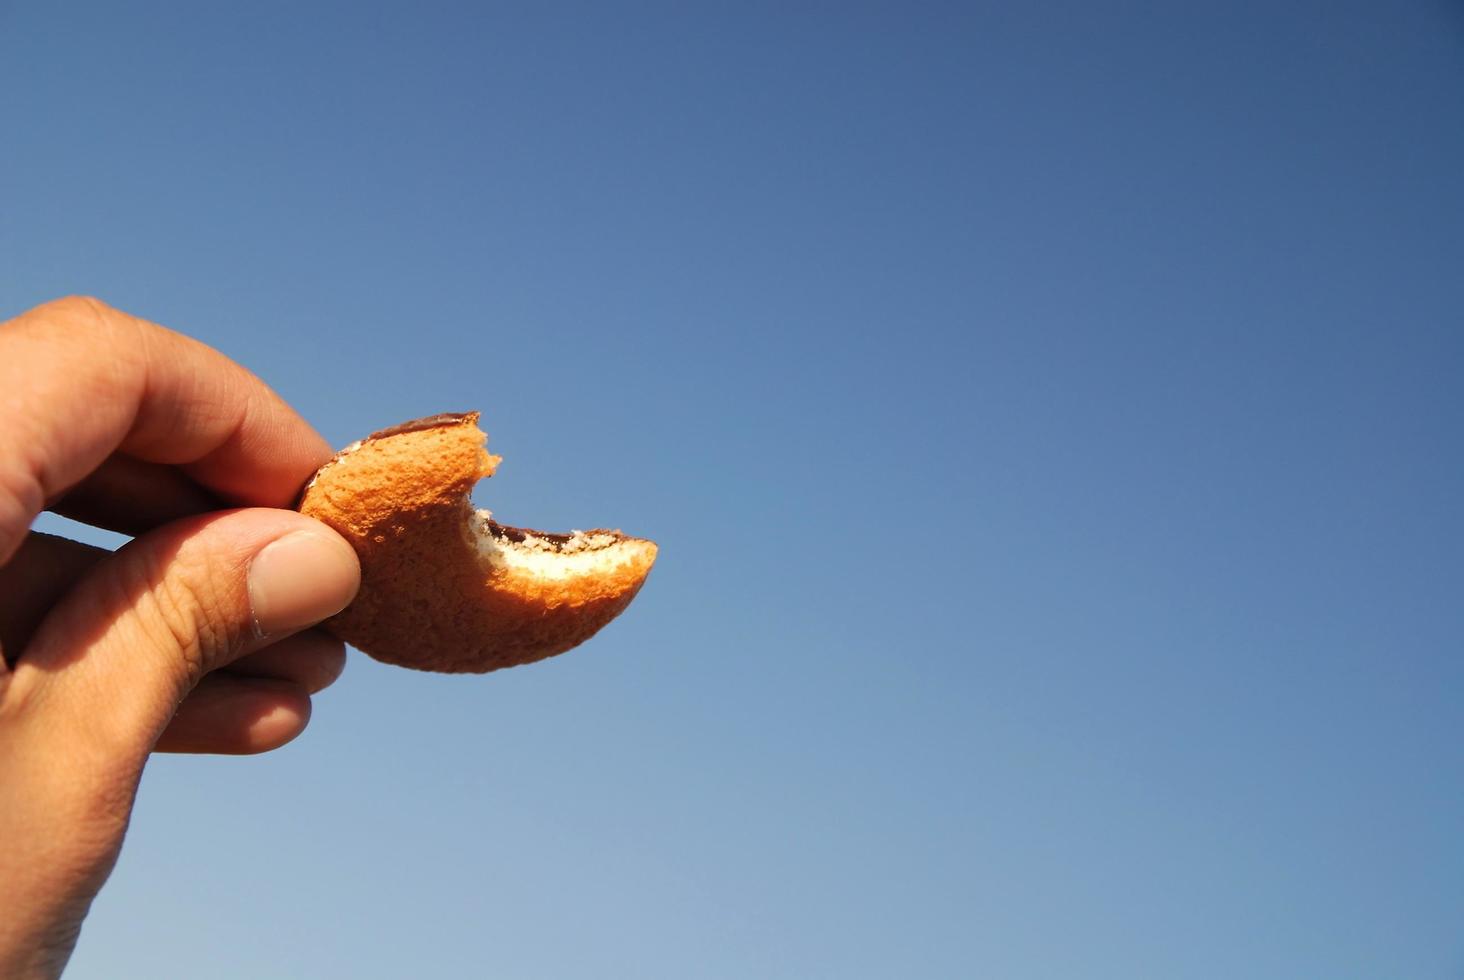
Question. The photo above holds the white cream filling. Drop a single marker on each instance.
(585, 553)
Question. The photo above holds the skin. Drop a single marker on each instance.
(195, 637)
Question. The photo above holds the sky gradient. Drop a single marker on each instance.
(1050, 415)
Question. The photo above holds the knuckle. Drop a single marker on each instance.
(71, 313)
(176, 627)
(77, 305)
(189, 614)
(83, 322)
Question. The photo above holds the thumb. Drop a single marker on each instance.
(111, 663)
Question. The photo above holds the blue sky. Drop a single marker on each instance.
(1049, 413)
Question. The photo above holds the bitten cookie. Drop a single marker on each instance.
(445, 587)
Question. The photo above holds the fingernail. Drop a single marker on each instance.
(301, 579)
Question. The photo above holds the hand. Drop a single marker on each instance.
(189, 639)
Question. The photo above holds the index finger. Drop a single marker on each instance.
(80, 381)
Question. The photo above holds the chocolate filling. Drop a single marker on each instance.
(430, 422)
(519, 534)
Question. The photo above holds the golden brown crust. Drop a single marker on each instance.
(430, 597)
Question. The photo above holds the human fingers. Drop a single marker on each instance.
(228, 714)
(312, 659)
(42, 571)
(131, 496)
(259, 702)
(113, 659)
(102, 676)
(80, 381)
(46, 567)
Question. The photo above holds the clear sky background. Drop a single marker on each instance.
(1050, 414)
